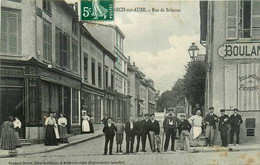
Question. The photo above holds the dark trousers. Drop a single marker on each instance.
(130, 139)
(170, 133)
(223, 135)
(232, 132)
(109, 139)
(138, 138)
(144, 140)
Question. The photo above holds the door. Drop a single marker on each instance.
(67, 105)
(12, 104)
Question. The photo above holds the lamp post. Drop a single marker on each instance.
(193, 51)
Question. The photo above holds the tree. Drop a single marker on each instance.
(194, 82)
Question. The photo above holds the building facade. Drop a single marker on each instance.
(230, 30)
(40, 70)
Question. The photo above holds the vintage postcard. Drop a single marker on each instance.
(127, 82)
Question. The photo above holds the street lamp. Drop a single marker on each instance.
(193, 51)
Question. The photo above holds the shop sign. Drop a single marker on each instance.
(240, 51)
(249, 82)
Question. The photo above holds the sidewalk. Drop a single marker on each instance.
(41, 148)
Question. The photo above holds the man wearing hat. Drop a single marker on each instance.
(223, 128)
(170, 125)
(109, 131)
(235, 122)
(211, 119)
(139, 131)
(146, 132)
(130, 130)
(184, 129)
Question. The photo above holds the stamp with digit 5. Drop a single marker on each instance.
(97, 10)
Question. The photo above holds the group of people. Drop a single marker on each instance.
(189, 131)
(55, 132)
(10, 134)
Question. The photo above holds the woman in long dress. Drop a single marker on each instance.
(62, 122)
(50, 138)
(85, 123)
(56, 130)
(8, 136)
(90, 123)
(17, 125)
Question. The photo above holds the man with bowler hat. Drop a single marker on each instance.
(139, 131)
(235, 122)
(170, 125)
(109, 130)
(223, 128)
(146, 132)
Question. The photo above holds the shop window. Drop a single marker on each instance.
(47, 37)
(99, 75)
(65, 51)
(75, 56)
(75, 106)
(85, 67)
(46, 5)
(243, 19)
(93, 71)
(10, 32)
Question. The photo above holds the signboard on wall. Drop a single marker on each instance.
(240, 51)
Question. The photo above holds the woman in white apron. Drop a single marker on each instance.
(85, 123)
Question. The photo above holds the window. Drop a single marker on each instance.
(47, 37)
(74, 26)
(75, 55)
(66, 51)
(85, 67)
(75, 106)
(112, 80)
(10, 32)
(243, 19)
(46, 5)
(99, 75)
(58, 46)
(106, 77)
(93, 71)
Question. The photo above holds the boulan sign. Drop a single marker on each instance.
(240, 51)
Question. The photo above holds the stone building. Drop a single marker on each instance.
(40, 69)
(230, 30)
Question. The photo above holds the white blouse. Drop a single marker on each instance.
(62, 121)
(17, 123)
(50, 121)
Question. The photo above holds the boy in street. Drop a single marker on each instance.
(109, 131)
(120, 128)
(223, 122)
(154, 130)
(235, 122)
(185, 133)
(211, 119)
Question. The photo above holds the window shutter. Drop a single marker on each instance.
(255, 19)
(232, 19)
(4, 32)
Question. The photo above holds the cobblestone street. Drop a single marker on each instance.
(91, 152)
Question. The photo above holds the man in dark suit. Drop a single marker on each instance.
(130, 130)
(235, 122)
(154, 130)
(170, 125)
(210, 119)
(109, 131)
(139, 131)
(223, 128)
(146, 132)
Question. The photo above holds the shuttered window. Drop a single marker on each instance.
(58, 46)
(66, 51)
(75, 55)
(9, 33)
(232, 19)
(256, 19)
(243, 19)
(47, 44)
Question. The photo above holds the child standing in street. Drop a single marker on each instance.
(120, 127)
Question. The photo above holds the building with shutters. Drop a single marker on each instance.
(230, 31)
(39, 65)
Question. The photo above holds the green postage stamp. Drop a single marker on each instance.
(97, 10)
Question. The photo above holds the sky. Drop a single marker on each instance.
(158, 42)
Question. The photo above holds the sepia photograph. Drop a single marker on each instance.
(130, 82)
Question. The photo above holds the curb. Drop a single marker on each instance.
(225, 149)
(58, 148)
